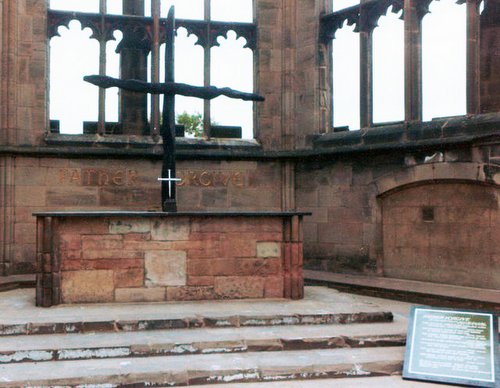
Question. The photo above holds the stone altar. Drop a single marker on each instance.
(109, 256)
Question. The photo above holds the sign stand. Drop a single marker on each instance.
(452, 346)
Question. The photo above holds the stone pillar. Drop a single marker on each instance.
(292, 73)
(134, 49)
(23, 72)
(490, 58)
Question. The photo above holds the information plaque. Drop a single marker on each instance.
(450, 346)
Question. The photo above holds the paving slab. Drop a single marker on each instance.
(321, 305)
(214, 368)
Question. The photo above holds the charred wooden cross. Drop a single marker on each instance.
(169, 88)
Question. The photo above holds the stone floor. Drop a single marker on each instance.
(18, 307)
(247, 344)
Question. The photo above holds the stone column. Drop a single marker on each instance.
(413, 60)
(490, 58)
(293, 73)
(134, 49)
(473, 55)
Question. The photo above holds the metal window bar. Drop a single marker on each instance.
(102, 25)
(101, 119)
(207, 71)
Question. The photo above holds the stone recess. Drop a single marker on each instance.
(165, 268)
(87, 286)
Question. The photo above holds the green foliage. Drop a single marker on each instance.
(193, 123)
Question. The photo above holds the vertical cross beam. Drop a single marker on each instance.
(168, 197)
(155, 67)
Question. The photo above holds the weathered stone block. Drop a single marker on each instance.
(156, 294)
(170, 230)
(190, 293)
(133, 277)
(237, 287)
(268, 249)
(129, 226)
(165, 268)
(237, 245)
(87, 286)
(102, 242)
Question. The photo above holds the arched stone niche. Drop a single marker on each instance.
(443, 231)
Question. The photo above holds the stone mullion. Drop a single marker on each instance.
(366, 68)
(473, 55)
(413, 61)
(366, 78)
(288, 68)
(133, 65)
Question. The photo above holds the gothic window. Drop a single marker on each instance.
(214, 46)
(402, 63)
(388, 69)
(444, 60)
(345, 50)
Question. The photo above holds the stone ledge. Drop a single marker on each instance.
(413, 134)
(408, 290)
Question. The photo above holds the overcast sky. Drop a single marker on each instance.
(75, 55)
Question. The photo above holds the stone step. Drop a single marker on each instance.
(208, 369)
(13, 282)
(320, 306)
(58, 347)
(358, 382)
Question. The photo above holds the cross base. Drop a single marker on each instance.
(169, 206)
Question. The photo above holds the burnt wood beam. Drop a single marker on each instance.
(171, 88)
(207, 32)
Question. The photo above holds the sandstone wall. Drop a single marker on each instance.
(24, 72)
(369, 215)
(34, 184)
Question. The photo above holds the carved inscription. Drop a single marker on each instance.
(98, 177)
(129, 177)
(206, 178)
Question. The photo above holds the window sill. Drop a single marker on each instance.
(145, 142)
